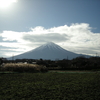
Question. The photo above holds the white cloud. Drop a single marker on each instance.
(77, 37)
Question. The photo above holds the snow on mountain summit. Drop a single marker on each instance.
(49, 45)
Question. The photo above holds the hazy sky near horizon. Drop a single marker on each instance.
(72, 24)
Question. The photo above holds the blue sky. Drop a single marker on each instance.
(72, 24)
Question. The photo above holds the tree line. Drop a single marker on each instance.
(78, 63)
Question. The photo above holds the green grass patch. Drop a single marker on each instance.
(50, 86)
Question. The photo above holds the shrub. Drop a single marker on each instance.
(15, 67)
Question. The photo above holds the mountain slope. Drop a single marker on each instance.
(48, 51)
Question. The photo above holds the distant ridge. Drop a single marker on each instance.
(48, 51)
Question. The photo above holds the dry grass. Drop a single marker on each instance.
(20, 67)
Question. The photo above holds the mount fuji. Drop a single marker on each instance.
(48, 51)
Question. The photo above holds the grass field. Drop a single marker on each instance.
(50, 86)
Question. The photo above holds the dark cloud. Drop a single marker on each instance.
(55, 37)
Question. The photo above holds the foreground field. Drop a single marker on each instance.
(50, 86)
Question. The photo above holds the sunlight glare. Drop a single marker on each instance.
(6, 3)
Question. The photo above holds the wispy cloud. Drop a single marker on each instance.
(77, 37)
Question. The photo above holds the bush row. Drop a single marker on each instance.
(14, 67)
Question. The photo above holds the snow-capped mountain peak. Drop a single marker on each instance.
(50, 51)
